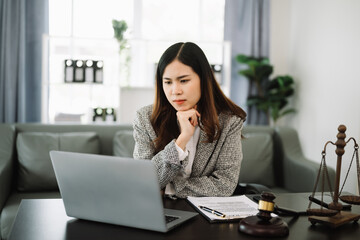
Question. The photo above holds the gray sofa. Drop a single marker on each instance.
(272, 159)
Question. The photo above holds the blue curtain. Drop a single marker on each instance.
(247, 27)
(22, 24)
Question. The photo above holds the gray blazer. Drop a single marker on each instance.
(216, 166)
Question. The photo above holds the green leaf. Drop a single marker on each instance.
(241, 58)
(247, 73)
(263, 72)
(120, 27)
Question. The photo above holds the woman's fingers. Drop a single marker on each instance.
(189, 116)
(194, 118)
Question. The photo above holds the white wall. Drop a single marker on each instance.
(318, 43)
(132, 99)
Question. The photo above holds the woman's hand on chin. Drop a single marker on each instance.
(188, 120)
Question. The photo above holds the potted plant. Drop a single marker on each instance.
(120, 27)
(271, 95)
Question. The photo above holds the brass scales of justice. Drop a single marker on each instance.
(334, 215)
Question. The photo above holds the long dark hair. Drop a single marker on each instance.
(211, 104)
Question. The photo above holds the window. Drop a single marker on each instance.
(175, 20)
(184, 20)
(87, 18)
(82, 29)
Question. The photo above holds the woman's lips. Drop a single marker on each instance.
(179, 102)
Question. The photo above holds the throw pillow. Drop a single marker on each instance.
(35, 169)
(124, 143)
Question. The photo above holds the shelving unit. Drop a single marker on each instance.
(77, 100)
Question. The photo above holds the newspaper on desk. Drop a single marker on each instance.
(235, 207)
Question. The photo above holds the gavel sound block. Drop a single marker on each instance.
(263, 224)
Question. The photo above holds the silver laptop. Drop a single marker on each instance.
(116, 190)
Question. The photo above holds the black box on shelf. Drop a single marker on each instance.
(110, 115)
(98, 71)
(104, 114)
(79, 75)
(98, 115)
(89, 71)
(69, 70)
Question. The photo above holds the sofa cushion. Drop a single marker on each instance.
(257, 164)
(124, 143)
(35, 169)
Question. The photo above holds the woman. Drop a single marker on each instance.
(192, 132)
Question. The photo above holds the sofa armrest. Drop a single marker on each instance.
(299, 173)
(7, 141)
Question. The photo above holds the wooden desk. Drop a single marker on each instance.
(42, 219)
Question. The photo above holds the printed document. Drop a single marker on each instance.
(235, 207)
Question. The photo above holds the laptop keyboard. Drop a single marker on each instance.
(170, 218)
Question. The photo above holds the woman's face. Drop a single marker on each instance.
(181, 86)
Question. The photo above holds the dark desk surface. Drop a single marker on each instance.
(46, 219)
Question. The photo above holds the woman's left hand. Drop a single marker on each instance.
(188, 120)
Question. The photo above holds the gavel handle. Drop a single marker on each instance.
(285, 211)
(279, 210)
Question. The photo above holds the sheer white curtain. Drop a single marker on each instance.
(22, 23)
(247, 27)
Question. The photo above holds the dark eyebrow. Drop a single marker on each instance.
(183, 76)
(180, 77)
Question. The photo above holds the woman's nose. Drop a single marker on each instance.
(176, 90)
